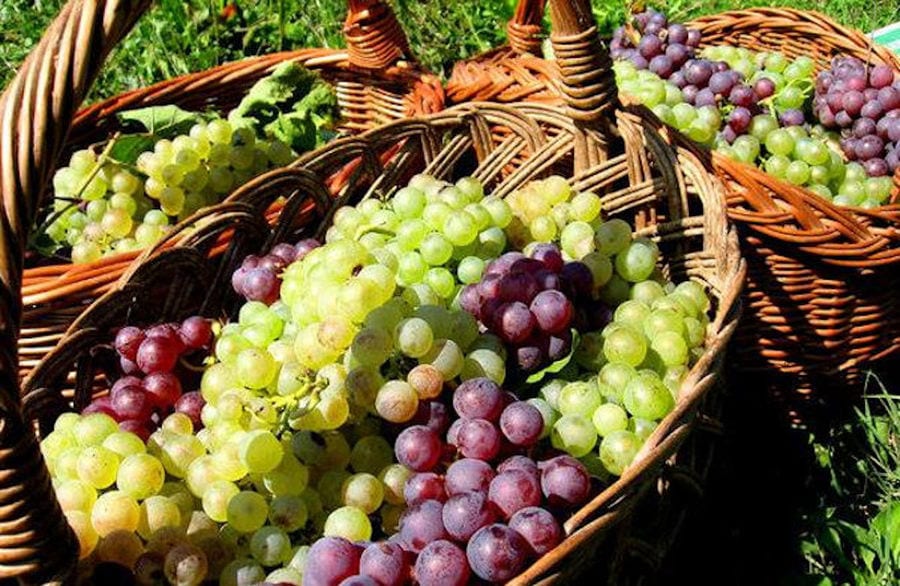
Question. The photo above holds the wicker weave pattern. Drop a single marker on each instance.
(36, 110)
(374, 85)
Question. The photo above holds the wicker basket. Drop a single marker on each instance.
(820, 298)
(620, 153)
(822, 279)
(375, 83)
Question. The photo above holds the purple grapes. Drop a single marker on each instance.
(539, 528)
(421, 524)
(521, 423)
(442, 563)
(424, 486)
(418, 448)
(513, 490)
(478, 398)
(496, 553)
(385, 563)
(860, 101)
(331, 560)
(478, 438)
(468, 474)
(565, 481)
(467, 512)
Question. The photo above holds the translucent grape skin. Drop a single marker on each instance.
(442, 563)
(421, 524)
(522, 463)
(424, 486)
(565, 481)
(385, 563)
(521, 423)
(496, 553)
(330, 560)
(552, 310)
(418, 448)
(539, 528)
(156, 355)
(513, 490)
(467, 512)
(478, 438)
(478, 398)
(468, 474)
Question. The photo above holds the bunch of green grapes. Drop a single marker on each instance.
(639, 361)
(122, 500)
(103, 206)
(542, 210)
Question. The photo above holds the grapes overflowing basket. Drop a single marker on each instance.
(821, 272)
(121, 363)
(375, 81)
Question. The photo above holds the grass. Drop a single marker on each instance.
(178, 37)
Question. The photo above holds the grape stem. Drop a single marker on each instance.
(300, 402)
(76, 199)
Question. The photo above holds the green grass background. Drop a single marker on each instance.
(178, 36)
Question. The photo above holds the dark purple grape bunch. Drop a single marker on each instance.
(655, 44)
(471, 518)
(258, 278)
(151, 387)
(474, 516)
(530, 303)
(864, 103)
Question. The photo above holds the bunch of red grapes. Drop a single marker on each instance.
(864, 103)
(258, 278)
(151, 388)
(531, 303)
(485, 515)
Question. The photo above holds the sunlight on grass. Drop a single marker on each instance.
(178, 37)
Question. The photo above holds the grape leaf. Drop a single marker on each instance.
(162, 121)
(559, 364)
(127, 148)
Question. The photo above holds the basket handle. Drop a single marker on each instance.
(586, 80)
(375, 39)
(36, 111)
(523, 31)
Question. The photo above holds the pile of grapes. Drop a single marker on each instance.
(410, 400)
(123, 198)
(835, 134)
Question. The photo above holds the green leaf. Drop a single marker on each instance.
(43, 244)
(162, 121)
(559, 364)
(127, 148)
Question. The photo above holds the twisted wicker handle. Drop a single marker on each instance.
(375, 39)
(586, 80)
(523, 31)
(36, 111)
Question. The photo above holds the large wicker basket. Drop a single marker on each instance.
(376, 82)
(621, 154)
(820, 299)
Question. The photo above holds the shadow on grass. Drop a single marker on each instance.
(764, 484)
